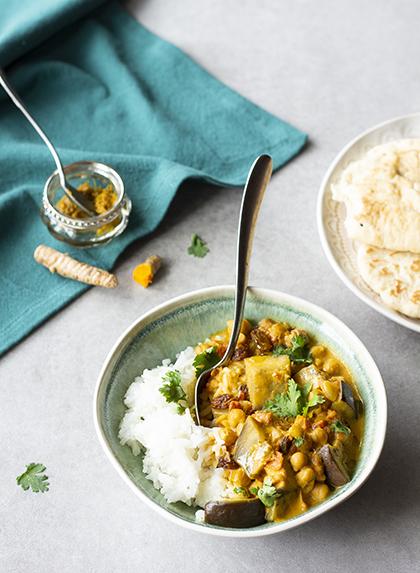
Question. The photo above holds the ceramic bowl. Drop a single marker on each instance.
(185, 320)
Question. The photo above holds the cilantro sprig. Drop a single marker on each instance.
(267, 493)
(206, 360)
(298, 351)
(173, 391)
(338, 426)
(33, 477)
(294, 401)
(198, 247)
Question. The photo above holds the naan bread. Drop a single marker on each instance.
(394, 275)
(382, 196)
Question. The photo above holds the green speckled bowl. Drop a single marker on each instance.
(185, 320)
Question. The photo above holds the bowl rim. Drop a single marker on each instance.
(294, 302)
(379, 307)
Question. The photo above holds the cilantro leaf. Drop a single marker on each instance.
(206, 360)
(298, 352)
(173, 391)
(240, 490)
(294, 401)
(34, 478)
(267, 493)
(313, 401)
(338, 426)
(299, 441)
(286, 404)
(198, 247)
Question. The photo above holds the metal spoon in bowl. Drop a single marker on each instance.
(258, 178)
(79, 199)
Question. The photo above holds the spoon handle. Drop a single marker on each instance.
(71, 193)
(258, 178)
(20, 105)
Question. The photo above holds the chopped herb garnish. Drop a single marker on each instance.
(33, 477)
(198, 247)
(287, 404)
(293, 402)
(267, 493)
(173, 391)
(206, 360)
(338, 426)
(240, 490)
(298, 352)
(299, 442)
(313, 401)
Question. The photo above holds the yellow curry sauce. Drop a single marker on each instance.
(290, 416)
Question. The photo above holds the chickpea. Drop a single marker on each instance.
(298, 428)
(236, 416)
(306, 479)
(239, 478)
(278, 476)
(263, 417)
(319, 436)
(228, 436)
(318, 351)
(330, 389)
(275, 330)
(298, 460)
(331, 366)
(320, 492)
(221, 420)
(276, 333)
(266, 323)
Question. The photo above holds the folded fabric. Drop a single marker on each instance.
(104, 88)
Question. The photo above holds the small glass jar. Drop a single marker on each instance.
(85, 231)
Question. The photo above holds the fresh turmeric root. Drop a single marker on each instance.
(70, 268)
(144, 273)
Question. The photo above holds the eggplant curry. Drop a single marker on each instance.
(291, 419)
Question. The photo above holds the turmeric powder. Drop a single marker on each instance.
(102, 198)
(144, 273)
(66, 266)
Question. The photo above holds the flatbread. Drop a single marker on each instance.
(382, 196)
(394, 275)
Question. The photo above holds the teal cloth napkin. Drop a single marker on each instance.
(104, 88)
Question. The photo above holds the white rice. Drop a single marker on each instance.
(179, 456)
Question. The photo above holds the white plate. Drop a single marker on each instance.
(339, 249)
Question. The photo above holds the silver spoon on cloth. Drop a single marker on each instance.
(258, 178)
(79, 199)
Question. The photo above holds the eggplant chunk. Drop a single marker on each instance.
(277, 510)
(348, 397)
(335, 468)
(235, 513)
(266, 376)
(310, 374)
(252, 450)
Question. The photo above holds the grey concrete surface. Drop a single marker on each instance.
(333, 69)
